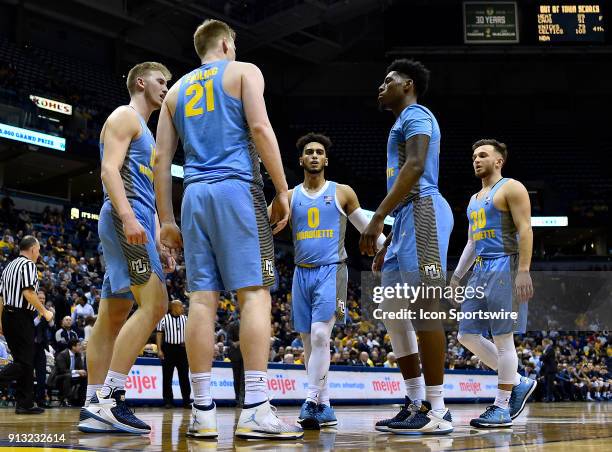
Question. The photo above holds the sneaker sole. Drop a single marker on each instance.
(328, 423)
(382, 428)
(267, 435)
(202, 435)
(518, 413)
(124, 428)
(86, 429)
(485, 425)
(419, 432)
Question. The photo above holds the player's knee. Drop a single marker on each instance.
(319, 338)
(467, 339)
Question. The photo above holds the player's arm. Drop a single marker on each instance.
(349, 202)
(416, 153)
(31, 297)
(265, 141)
(465, 261)
(158, 340)
(166, 142)
(121, 127)
(518, 202)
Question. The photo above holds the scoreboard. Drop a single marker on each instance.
(570, 22)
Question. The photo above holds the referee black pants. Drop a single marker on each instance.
(175, 356)
(18, 326)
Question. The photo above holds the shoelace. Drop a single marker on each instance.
(489, 411)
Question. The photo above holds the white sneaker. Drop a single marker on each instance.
(203, 423)
(88, 424)
(262, 422)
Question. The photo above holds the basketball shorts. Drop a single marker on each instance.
(417, 253)
(127, 265)
(226, 236)
(317, 294)
(495, 279)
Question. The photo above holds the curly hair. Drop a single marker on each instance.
(414, 70)
(313, 137)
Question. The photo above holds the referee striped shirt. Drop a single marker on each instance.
(19, 274)
(173, 328)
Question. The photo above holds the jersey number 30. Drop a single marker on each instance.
(194, 107)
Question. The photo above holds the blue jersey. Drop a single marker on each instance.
(318, 227)
(414, 120)
(213, 129)
(137, 169)
(492, 230)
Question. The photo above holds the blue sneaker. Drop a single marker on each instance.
(114, 411)
(326, 416)
(519, 396)
(493, 417)
(408, 410)
(425, 421)
(308, 416)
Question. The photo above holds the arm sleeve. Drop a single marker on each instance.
(466, 260)
(360, 221)
(417, 122)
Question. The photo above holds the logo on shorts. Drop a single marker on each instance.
(269, 267)
(432, 271)
(340, 307)
(139, 266)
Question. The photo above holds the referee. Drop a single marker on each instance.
(19, 303)
(171, 351)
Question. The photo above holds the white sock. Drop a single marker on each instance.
(255, 387)
(114, 381)
(91, 391)
(435, 396)
(324, 394)
(503, 398)
(517, 379)
(200, 385)
(415, 389)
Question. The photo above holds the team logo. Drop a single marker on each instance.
(432, 271)
(340, 308)
(269, 267)
(328, 199)
(139, 266)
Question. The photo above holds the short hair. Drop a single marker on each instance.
(500, 147)
(414, 70)
(72, 342)
(313, 137)
(27, 242)
(208, 33)
(142, 69)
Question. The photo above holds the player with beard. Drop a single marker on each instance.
(500, 241)
(415, 252)
(319, 210)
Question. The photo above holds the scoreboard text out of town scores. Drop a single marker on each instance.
(570, 23)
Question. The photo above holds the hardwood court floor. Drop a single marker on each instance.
(550, 427)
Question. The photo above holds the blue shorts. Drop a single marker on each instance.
(417, 253)
(495, 278)
(226, 236)
(127, 265)
(317, 294)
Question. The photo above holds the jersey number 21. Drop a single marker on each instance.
(194, 107)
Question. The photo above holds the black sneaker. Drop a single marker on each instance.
(113, 410)
(32, 410)
(407, 411)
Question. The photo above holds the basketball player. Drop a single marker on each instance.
(416, 248)
(127, 230)
(227, 236)
(319, 210)
(500, 241)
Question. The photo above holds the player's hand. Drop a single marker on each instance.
(367, 242)
(170, 236)
(135, 234)
(167, 260)
(379, 259)
(280, 212)
(48, 315)
(523, 286)
(161, 355)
